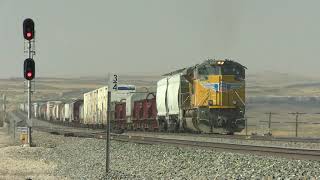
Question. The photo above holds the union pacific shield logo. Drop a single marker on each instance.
(223, 86)
(213, 86)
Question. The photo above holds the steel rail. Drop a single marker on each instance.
(294, 153)
(240, 137)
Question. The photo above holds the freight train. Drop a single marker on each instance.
(207, 98)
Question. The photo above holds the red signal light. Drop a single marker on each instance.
(29, 74)
(29, 34)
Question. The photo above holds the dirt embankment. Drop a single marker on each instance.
(15, 164)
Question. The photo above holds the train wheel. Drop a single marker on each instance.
(191, 125)
(163, 126)
(204, 127)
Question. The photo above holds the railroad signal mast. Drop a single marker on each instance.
(29, 66)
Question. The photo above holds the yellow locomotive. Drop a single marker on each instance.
(208, 97)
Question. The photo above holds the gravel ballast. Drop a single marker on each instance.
(196, 137)
(271, 143)
(80, 158)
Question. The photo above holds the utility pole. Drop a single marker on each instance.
(269, 121)
(4, 108)
(246, 123)
(297, 122)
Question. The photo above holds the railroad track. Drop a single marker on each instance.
(296, 153)
(240, 137)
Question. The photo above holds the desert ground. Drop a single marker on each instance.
(14, 166)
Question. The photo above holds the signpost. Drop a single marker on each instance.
(115, 82)
(114, 87)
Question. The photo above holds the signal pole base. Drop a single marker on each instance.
(29, 144)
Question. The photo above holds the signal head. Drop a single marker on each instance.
(29, 69)
(28, 29)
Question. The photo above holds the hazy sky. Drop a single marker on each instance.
(81, 38)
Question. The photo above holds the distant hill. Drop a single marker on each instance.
(281, 84)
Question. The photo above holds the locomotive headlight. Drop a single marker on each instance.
(234, 102)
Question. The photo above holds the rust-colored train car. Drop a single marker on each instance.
(120, 115)
(144, 114)
(150, 113)
(137, 115)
